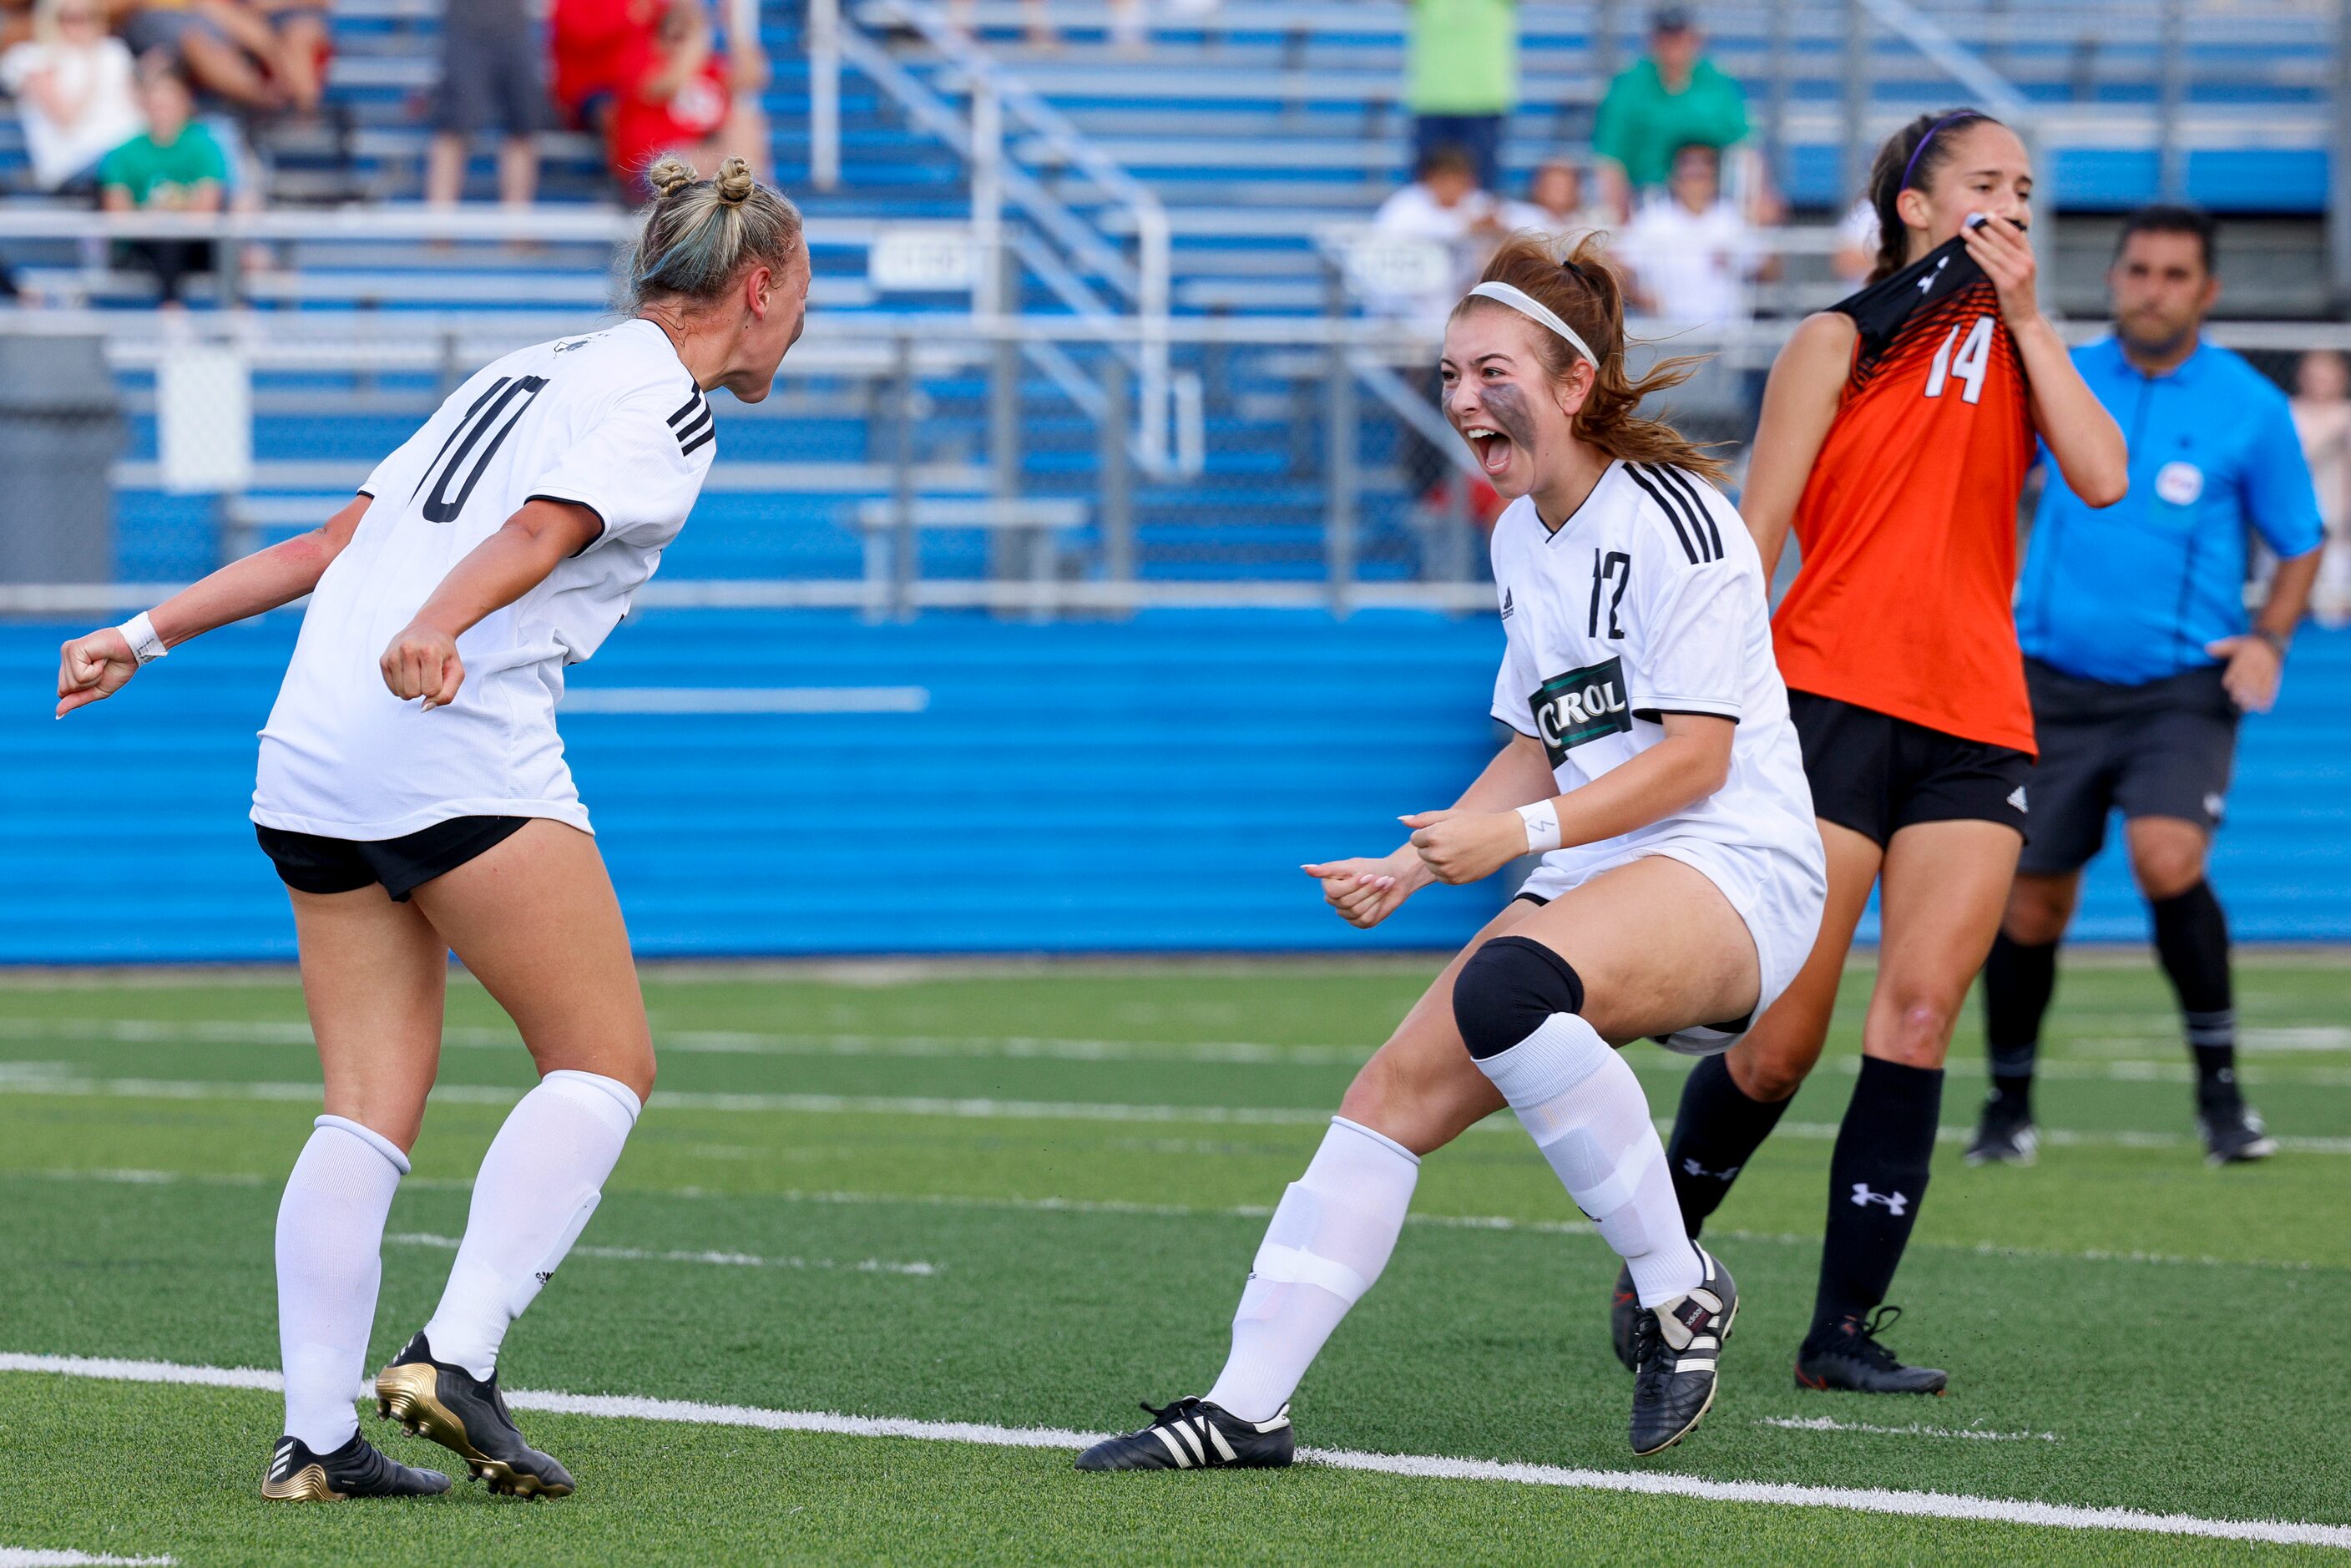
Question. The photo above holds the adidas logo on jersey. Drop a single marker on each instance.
(1507, 606)
(693, 424)
(1894, 1203)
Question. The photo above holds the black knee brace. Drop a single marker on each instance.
(1507, 989)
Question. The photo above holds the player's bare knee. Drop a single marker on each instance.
(2167, 871)
(2037, 913)
(1765, 1075)
(1921, 1036)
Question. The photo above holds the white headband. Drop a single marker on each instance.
(1534, 309)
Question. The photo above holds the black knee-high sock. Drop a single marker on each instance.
(2018, 983)
(2191, 937)
(1716, 1129)
(1876, 1177)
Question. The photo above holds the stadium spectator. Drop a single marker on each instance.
(76, 90)
(1670, 98)
(680, 94)
(1556, 203)
(1856, 244)
(225, 48)
(15, 23)
(2322, 417)
(1691, 252)
(174, 165)
(590, 37)
(1462, 66)
(1443, 204)
(489, 81)
(2140, 659)
(303, 44)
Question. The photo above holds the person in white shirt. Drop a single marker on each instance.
(1445, 206)
(75, 91)
(1556, 203)
(1657, 771)
(1692, 252)
(414, 795)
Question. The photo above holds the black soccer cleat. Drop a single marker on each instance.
(1674, 1347)
(358, 1468)
(1849, 1358)
(2234, 1135)
(2005, 1134)
(1193, 1435)
(1623, 1308)
(467, 1416)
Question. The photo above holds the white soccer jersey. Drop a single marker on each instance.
(611, 421)
(1650, 600)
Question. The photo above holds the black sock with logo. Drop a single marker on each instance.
(2192, 938)
(1876, 1177)
(1717, 1128)
(2018, 981)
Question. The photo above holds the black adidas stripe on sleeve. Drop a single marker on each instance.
(1687, 529)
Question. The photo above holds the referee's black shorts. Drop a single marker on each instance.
(2162, 749)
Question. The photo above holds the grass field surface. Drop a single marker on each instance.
(997, 1207)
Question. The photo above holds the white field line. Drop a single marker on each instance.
(1176, 1211)
(724, 1259)
(1916, 1429)
(1650, 1483)
(41, 1557)
(60, 1078)
(1247, 1053)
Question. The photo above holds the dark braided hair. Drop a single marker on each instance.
(1907, 162)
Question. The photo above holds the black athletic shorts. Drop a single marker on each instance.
(314, 865)
(1878, 774)
(2162, 749)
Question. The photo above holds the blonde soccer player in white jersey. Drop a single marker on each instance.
(1657, 773)
(414, 795)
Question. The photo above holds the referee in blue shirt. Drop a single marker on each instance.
(2140, 657)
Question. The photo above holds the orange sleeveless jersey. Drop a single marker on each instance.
(1903, 602)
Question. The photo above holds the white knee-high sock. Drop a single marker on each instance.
(329, 1262)
(1328, 1240)
(536, 1188)
(1586, 1112)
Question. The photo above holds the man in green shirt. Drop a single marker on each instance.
(1672, 97)
(1463, 70)
(174, 164)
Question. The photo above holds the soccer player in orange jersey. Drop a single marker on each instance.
(1897, 430)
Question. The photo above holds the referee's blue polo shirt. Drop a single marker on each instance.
(2130, 593)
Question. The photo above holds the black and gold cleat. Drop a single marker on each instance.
(467, 1416)
(356, 1469)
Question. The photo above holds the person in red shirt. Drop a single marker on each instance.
(679, 94)
(1897, 431)
(588, 38)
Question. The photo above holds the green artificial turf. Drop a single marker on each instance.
(1028, 1198)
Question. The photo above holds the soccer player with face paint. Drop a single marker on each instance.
(1896, 433)
(1655, 771)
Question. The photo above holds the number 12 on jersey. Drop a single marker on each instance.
(1613, 566)
(1968, 365)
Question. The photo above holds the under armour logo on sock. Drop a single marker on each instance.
(1692, 1168)
(1896, 1203)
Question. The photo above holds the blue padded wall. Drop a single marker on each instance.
(1111, 786)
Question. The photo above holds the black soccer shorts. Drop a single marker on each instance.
(2165, 748)
(1876, 774)
(310, 864)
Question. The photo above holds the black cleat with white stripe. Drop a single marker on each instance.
(1193, 1435)
(1675, 1345)
(358, 1468)
(2233, 1134)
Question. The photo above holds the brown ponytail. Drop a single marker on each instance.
(1907, 162)
(1584, 289)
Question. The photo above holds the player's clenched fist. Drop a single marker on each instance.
(423, 662)
(1366, 892)
(1463, 846)
(93, 667)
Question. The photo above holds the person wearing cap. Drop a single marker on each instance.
(1671, 97)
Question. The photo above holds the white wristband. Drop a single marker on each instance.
(1543, 826)
(140, 632)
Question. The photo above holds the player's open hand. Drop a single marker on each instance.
(1463, 846)
(1999, 245)
(93, 668)
(423, 662)
(2252, 672)
(1366, 892)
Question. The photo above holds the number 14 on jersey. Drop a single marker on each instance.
(1968, 366)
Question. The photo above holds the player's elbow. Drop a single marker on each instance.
(2103, 486)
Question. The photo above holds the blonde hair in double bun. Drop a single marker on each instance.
(698, 235)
